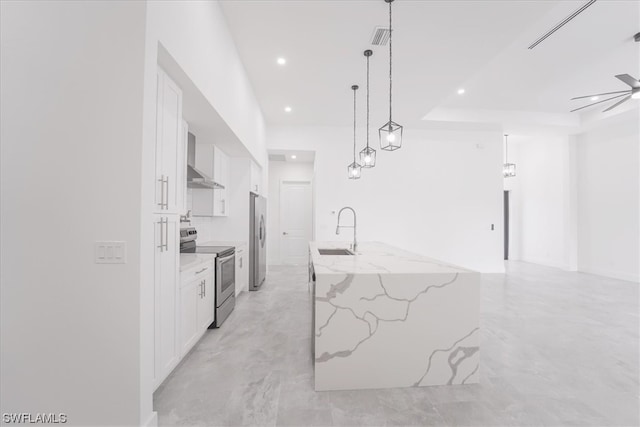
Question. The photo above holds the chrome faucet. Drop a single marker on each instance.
(354, 247)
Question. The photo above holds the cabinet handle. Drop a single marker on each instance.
(162, 245)
(166, 201)
(161, 181)
(200, 271)
(164, 192)
(166, 234)
(241, 262)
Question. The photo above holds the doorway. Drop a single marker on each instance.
(506, 225)
(296, 221)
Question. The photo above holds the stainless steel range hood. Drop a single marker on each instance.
(196, 178)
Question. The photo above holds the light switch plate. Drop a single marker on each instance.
(111, 252)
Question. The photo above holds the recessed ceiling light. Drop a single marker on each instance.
(281, 61)
(595, 98)
(287, 109)
(293, 156)
(460, 91)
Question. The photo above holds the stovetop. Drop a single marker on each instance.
(188, 236)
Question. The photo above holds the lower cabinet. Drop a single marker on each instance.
(196, 304)
(242, 269)
(166, 261)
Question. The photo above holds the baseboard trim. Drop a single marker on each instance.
(545, 262)
(152, 421)
(611, 274)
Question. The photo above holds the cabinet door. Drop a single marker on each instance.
(220, 203)
(169, 134)
(241, 271)
(217, 166)
(205, 302)
(181, 185)
(256, 178)
(166, 261)
(188, 316)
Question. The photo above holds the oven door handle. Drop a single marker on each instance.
(227, 258)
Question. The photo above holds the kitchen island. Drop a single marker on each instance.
(384, 317)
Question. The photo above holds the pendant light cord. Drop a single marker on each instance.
(367, 103)
(390, 64)
(354, 125)
(506, 148)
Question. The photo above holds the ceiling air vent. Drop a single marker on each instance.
(380, 36)
(564, 22)
(277, 157)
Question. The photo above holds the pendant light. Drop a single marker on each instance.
(354, 168)
(509, 169)
(368, 154)
(391, 132)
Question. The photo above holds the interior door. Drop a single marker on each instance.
(295, 221)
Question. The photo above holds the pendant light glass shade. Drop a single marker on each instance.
(391, 132)
(368, 154)
(390, 136)
(508, 169)
(354, 169)
(368, 157)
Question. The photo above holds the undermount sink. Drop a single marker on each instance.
(335, 252)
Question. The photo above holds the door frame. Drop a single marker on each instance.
(505, 204)
(313, 216)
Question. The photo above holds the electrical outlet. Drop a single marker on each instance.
(110, 252)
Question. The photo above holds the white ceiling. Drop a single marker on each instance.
(581, 58)
(301, 156)
(439, 46)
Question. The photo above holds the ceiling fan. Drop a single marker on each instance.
(634, 93)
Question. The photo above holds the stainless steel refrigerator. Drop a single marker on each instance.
(257, 241)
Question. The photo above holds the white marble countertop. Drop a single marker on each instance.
(188, 261)
(235, 243)
(376, 258)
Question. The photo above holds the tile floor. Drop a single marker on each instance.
(558, 348)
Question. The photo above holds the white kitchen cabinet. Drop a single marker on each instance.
(205, 303)
(256, 178)
(242, 269)
(169, 180)
(166, 271)
(196, 304)
(207, 202)
(188, 317)
(182, 164)
(221, 176)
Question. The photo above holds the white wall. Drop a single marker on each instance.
(437, 196)
(71, 113)
(540, 201)
(279, 171)
(196, 36)
(608, 197)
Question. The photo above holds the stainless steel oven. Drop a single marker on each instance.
(225, 285)
(225, 275)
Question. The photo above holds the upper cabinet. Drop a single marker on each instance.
(212, 202)
(256, 178)
(170, 147)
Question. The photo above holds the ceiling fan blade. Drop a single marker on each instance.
(628, 80)
(599, 94)
(599, 102)
(617, 103)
